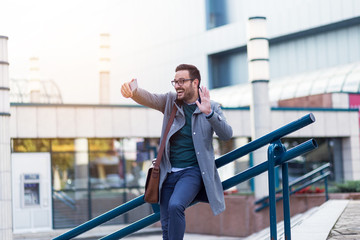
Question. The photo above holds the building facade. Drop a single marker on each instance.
(95, 156)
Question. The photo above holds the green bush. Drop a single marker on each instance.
(349, 186)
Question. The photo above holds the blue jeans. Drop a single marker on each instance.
(178, 191)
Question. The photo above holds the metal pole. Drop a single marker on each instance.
(266, 139)
(272, 197)
(286, 201)
(147, 221)
(256, 170)
(326, 190)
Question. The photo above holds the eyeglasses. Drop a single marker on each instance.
(181, 81)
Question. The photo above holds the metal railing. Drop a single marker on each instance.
(316, 175)
(277, 155)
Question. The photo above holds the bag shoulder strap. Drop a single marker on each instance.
(162, 145)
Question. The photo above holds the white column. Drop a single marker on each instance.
(5, 160)
(260, 114)
(104, 68)
(81, 166)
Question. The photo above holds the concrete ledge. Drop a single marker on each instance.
(240, 218)
(318, 225)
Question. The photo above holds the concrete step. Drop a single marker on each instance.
(314, 224)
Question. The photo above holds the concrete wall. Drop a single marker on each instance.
(78, 121)
(240, 219)
(113, 121)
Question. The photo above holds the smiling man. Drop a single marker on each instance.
(188, 163)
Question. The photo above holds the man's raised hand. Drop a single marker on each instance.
(126, 90)
(204, 106)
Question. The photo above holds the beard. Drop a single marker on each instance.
(185, 94)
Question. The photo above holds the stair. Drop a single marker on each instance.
(314, 224)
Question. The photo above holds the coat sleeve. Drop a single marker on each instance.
(218, 122)
(151, 100)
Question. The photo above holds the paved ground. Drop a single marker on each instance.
(318, 224)
(187, 237)
(348, 225)
(334, 220)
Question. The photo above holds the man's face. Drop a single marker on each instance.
(186, 92)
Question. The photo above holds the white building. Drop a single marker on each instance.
(92, 152)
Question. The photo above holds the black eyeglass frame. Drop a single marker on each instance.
(180, 82)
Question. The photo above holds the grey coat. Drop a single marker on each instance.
(203, 130)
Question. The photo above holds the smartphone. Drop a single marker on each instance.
(133, 84)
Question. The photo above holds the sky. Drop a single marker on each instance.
(65, 36)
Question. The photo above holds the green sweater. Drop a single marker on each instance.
(182, 151)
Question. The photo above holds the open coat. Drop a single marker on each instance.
(202, 133)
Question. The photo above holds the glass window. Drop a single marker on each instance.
(327, 152)
(107, 165)
(106, 170)
(63, 170)
(228, 69)
(100, 144)
(216, 13)
(117, 176)
(95, 171)
(30, 145)
(103, 200)
(62, 145)
(70, 208)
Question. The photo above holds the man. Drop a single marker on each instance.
(188, 162)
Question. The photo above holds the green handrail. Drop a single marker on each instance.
(309, 177)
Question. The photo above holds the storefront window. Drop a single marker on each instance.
(326, 152)
(62, 145)
(116, 176)
(119, 163)
(30, 145)
(104, 165)
(100, 144)
(106, 170)
(63, 171)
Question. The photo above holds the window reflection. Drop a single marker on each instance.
(63, 171)
(62, 145)
(31, 145)
(92, 176)
(106, 170)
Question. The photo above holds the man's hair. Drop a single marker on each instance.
(193, 71)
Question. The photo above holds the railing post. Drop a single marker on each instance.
(272, 197)
(326, 189)
(286, 201)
